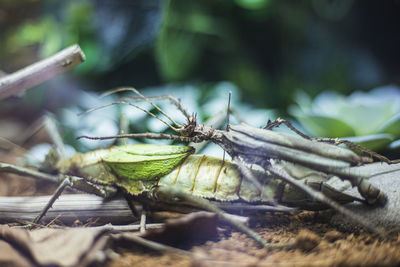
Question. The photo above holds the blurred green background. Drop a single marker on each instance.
(275, 53)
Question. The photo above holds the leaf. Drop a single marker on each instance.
(373, 142)
(392, 126)
(325, 126)
(50, 247)
(395, 145)
(253, 4)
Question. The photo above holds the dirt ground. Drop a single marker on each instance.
(317, 243)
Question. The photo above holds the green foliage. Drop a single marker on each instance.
(371, 119)
(253, 4)
(185, 33)
(200, 40)
(51, 33)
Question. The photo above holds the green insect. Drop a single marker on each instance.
(141, 169)
(159, 174)
(154, 175)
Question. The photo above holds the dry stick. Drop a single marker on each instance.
(128, 228)
(41, 71)
(159, 247)
(67, 208)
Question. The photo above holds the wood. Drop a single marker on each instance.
(67, 209)
(17, 82)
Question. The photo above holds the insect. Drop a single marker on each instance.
(250, 146)
(140, 169)
(145, 173)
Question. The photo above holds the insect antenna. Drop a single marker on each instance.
(133, 105)
(141, 135)
(141, 96)
(176, 102)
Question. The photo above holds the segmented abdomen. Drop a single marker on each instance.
(213, 178)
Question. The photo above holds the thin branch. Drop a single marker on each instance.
(41, 71)
(128, 228)
(158, 246)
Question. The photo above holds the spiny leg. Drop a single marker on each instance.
(131, 205)
(80, 184)
(278, 171)
(57, 193)
(174, 191)
(276, 123)
(354, 146)
(248, 175)
(6, 167)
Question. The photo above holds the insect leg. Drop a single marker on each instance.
(80, 184)
(247, 174)
(174, 191)
(6, 167)
(272, 124)
(276, 123)
(278, 171)
(131, 205)
(354, 146)
(56, 194)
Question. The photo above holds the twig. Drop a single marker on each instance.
(158, 246)
(41, 71)
(127, 228)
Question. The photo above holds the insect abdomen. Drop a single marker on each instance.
(214, 178)
(207, 177)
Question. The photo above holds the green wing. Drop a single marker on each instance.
(145, 162)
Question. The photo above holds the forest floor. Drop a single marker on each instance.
(318, 244)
